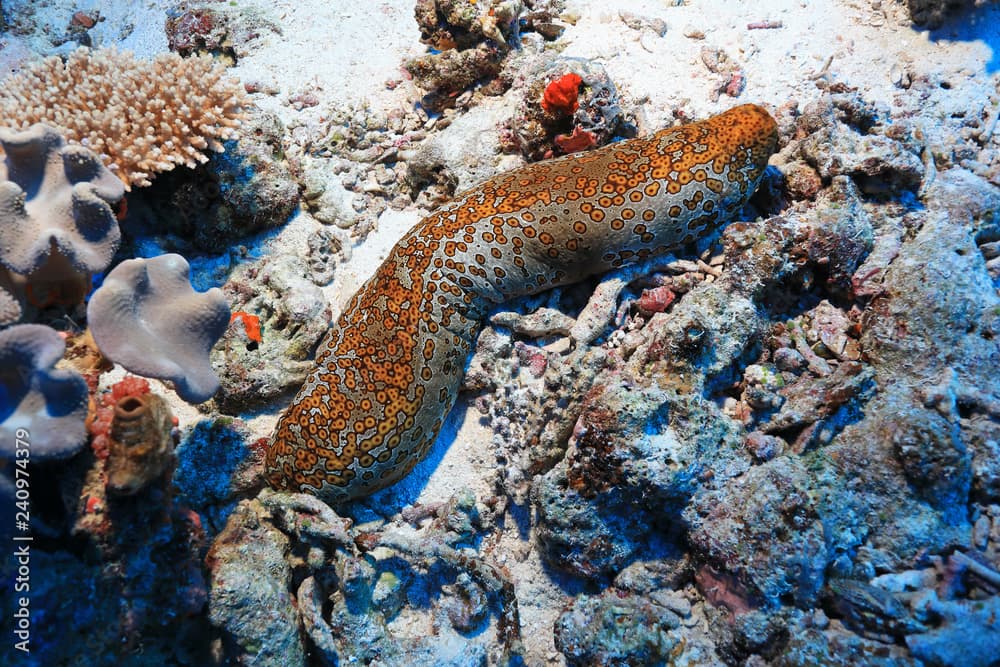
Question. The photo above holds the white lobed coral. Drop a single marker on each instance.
(55, 200)
(10, 305)
(140, 116)
(36, 398)
(148, 318)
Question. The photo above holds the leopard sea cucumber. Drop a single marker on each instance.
(388, 372)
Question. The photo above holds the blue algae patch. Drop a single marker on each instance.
(10, 398)
(210, 271)
(60, 623)
(208, 458)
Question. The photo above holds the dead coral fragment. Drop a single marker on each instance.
(448, 24)
(141, 117)
(142, 443)
(200, 30)
(267, 354)
(55, 200)
(616, 628)
(444, 75)
(148, 318)
(870, 610)
(933, 14)
(471, 40)
(38, 402)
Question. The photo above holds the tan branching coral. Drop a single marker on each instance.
(140, 116)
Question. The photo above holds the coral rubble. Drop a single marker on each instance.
(293, 315)
(470, 40)
(568, 105)
(820, 409)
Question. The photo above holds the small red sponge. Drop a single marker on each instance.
(560, 95)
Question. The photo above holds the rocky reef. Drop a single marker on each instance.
(779, 452)
(778, 446)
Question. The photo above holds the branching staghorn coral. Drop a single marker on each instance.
(141, 117)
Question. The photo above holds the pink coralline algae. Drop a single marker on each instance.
(103, 411)
(580, 140)
(656, 300)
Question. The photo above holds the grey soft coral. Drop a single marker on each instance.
(55, 199)
(39, 404)
(148, 318)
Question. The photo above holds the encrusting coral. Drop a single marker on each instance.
(141, 117)
(148, 318)
(57, 211)
(50, 404)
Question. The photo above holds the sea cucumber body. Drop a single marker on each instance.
(388, 372)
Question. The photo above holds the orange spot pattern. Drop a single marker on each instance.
(388, 372)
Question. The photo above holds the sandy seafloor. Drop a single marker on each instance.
(345, 51)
